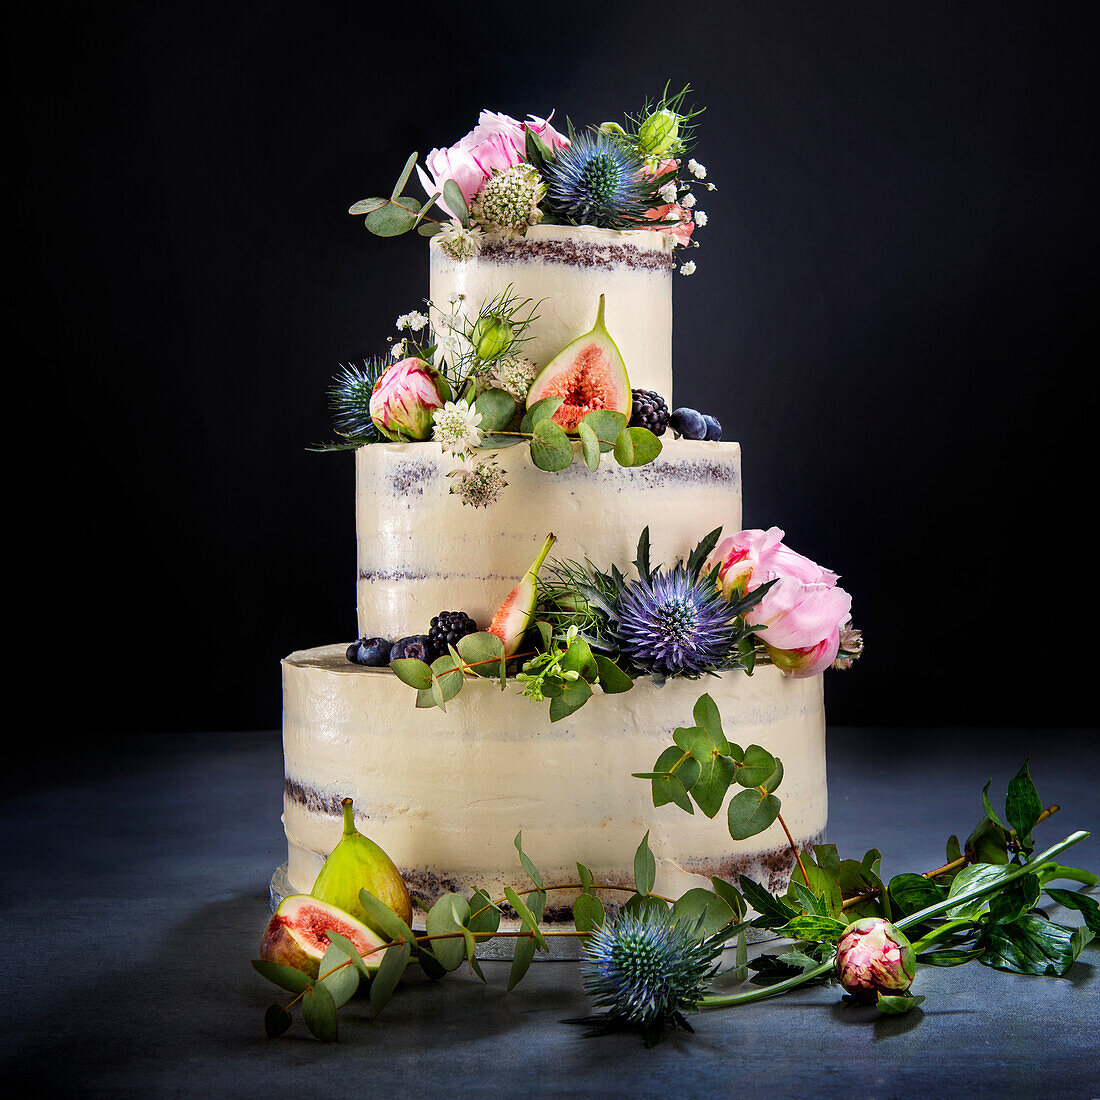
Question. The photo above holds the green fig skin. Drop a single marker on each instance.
(516, 614)
(589, 373)
(355, 864)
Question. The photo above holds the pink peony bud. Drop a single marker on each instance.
(800, 616)
(873, 957)
(404, 400)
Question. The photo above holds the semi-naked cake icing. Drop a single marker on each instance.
(445, 793)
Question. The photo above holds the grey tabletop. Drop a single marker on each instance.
(137, 893)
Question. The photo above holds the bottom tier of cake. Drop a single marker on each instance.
(446, 793)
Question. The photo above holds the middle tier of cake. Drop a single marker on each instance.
(421, 551)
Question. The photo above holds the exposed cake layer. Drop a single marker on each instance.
(421, 551)
(445, 793)
(565, 270)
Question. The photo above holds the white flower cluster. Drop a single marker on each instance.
(700, 218)
(459, 242)
(688, 201)
(455, 428)
(668, 192)
(397, 350)
(515, 376)
(414, 321)
(696, 169)
(688, 268)
(480, 486)
(509, 201)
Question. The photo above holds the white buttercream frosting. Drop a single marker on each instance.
(564, 270)
(421, 551)
(446, 793)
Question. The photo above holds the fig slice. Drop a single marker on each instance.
(295, 935)
(589, 374)
(516, 614)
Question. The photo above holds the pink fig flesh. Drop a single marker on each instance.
(295, 935)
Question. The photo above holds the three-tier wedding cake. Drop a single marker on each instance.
(444, 791)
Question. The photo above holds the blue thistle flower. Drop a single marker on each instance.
(597, 180)
(674, 623)
(349, 399)
(647, 970)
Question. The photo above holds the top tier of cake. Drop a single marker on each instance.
(565, 269)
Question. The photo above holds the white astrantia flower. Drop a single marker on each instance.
(455, 427)
(459, 242)
(688, 268)
(515, 376)
(696, 169)
(700, 218)
(480, 486)
(668, 192)
(688, 201)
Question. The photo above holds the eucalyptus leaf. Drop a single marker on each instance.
(590, 445)
(756, 766)
(527, 915)
(612, 679)
(456, 203)
(573, 696)
(495, 441)
(404, 177)
(645, 867)
(588, 912)
(381, 916)
(707, 715)
(551, 448)
(428, 229)
(521, 960)
(338, 974)
(413, 672)
(484, 917)
(394, 962)
(447, 673)
(526, 862)
(485, 651)
(285, 976)
(771, 784)
(365, 206)
(319, 1013)
(276, 1021)
(636, 447)
(708, 912)
(497, 409)
(606, 424)
(751, 813)
(350, 951)
(713, 784)
(669, 786)
(540, 412)
(444, 918)
(391, 220)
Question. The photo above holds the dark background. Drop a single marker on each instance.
(891, 313)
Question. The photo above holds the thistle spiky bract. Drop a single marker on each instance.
(647, 971)
(597, 180)
(349, 399)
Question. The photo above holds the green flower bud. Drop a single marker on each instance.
(659, 134)
(491, 338)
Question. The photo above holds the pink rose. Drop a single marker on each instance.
(497, 142)
(800, 616)
(404, 400)
(681, 227)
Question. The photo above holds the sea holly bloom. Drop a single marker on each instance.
(496, 143)
(405, 399)
(799, 617)
(873, 957)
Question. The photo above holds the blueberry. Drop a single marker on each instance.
(415, 645)
(374, 652)
(714, 429)
(688, 423)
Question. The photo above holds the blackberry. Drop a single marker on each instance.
(446, 629)
(649, 411)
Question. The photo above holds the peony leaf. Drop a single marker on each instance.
(1023, 807)
(1076, 899)
(978, 874)
(1033, 945)
(897, 1005)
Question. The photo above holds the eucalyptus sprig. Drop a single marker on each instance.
(399, 213)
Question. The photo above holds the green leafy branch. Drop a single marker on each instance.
(600, 432)
(399, 213)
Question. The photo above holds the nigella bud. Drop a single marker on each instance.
(492, 337)
(405, 399)
(659, 133)
(873, 957)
